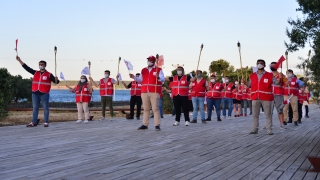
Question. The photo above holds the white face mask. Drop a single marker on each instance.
(242, 83)
(41, 67)
(106, 75)
(82, 80)
(236, 82)
(289, 75)
(227, 80)
(260, 66)
(179, 72)
(212, 80)
(150, 64)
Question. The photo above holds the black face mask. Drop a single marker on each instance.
(273, 69)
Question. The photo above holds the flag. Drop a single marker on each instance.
(254, 69)
(85, 71)
(191, 75)
(62, 76)
(160, 61)
(119, 77)
(128, 64)
(16, 49)
(223, 80)
(279, 62)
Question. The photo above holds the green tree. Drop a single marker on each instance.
(6, 92)
(21, 88)
(220, 67)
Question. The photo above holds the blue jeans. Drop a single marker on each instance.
(244, 105)
(160, 107)
(198, 102)
(226, 101)
(216, 104)
(36, 103)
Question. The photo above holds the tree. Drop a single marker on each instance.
(6, 92)
(220, 67)
(21, 88)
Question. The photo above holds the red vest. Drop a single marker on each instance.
(239, 93)
(227, 90)
(84, 95)
(135, 89)
(293, 88)
(190, 95)
(249, 93)
(244, 90)
(106, 88)
(199, 88)
(277, 89)
(41, 82)
(180, 87)
(215, 90)
(261, 89)
(301, 97)
(149, 82)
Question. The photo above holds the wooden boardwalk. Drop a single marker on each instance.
(116, 150)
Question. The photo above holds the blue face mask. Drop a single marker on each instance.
(198, 75)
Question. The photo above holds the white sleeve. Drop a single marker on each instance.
(161, 76)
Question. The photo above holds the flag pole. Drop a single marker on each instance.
(118, 70)
(239, 47)
(201, 47)
(157, 57)
(55, 62)
(286, 53)
(16, 47)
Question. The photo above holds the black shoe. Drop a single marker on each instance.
(162, 117)
(284, 123)
(299, 121)
(296, 123)
(290, 121)
(38, 121)
(219, 119)
(130, 118)
(143, 127)
(204, 121)
(157, 128)
(250, 113)
(193, 121)
(151, 116)
(138, 118)
(208, 119)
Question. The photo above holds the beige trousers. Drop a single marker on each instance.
(83, 107)
(256, 104)
(150, 100)
(294, 106)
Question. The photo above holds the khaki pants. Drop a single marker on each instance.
(150, 99)
(256, 104)
(294, 106)
(83, 107)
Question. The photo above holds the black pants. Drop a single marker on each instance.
(133, 101)
(307, 110)
(290, 115)
(190, 105)
(181, 102)
(299, 111)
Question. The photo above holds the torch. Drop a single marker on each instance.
(55, 62)
(239, 47)
(118, 70)
(157, 58)
(201, 47)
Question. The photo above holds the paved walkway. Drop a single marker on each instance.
(116, 150)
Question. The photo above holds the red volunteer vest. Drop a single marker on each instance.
(149, 82)
(199, 88)
(261, 89)
(135, 89)
(277, 89)
(215, 90)
(249, 93)
(244, 92)
(41, 82)
(239, 94)
(301, 97)
(227, 91)
(180, 87)
(293, 88)
(84, 95)
(106, 88)
(190, 95)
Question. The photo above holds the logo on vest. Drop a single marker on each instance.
(44, 77)
(293, 83)
(183, 82)
(265, 80)
(85, 89)
(109, 83)
(229, 88)
(217, 87)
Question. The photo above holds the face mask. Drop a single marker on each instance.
(260, 66)
(150, 64)
(106, 75)
(242, 83)
(236, 83)
(272, 69)
(300, 91)
(179, 72)
(227, 80)
(82, 80)
(41, 67)
(213, 80)
(289, 75)
(198, 75)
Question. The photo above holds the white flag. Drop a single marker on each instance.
(191, 75)
(254, 69)
(85, 71)
(223, 80)
(62, 76)
(119, 77)
(128, 64)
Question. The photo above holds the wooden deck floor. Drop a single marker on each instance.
(116, 150)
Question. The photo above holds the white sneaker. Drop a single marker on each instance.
(187, 123)
(86, 121)
(229, 117)
(79, 121)
(191, 114)
(282, 127)
(176, 123)
(102, 119)
(223, 117)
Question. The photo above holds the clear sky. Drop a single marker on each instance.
(102, 30)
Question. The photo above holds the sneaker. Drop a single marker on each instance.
(229, 117)
(157, 128)
(45, 124)
(208, 119)
(240, 115)
(86, 121)
(282, 127)
(193, 121)
(79, 121)
(162, 117)
(31, 124)
(138, 118)
(151, 116)
(102, 119)
(307, 116)
(143, 127)
(176, 123)
(296, 123)
(219, 119)
(253, 132)
(203, 121)
(130, 118)
(284, 123)
(269, 133)
(250, 113)
(186, 123)
(223, 117)
(191, 114)
(299, 121)
(264, 127)
(245, 114)
(290, 121)
(38, 121)
(111, 119)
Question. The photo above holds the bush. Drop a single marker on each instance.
(6, 92)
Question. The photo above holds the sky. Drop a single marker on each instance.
(102, 30)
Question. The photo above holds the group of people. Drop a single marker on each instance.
(264, 90)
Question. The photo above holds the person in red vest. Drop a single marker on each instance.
(277, 89)
(292, 85)
(214, 97)
(151, 79)
(261, 94)
(244, 101)
(41, 85)
(83, 96)
(180, 91)
(305, 109)
(237, 98)
(106, 93)
(135, 92)
(199, 88)
(227, 99)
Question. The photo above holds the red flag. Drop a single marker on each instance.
(16, 45)
(160, 61)
(279, 62)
